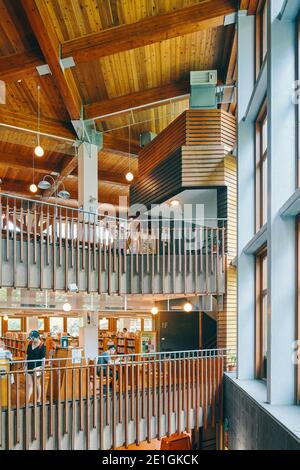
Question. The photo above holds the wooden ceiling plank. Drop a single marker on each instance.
(148, 30)
(46, 36)
(20, 66)
(103, 109)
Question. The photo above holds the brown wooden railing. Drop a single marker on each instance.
(45, 246)
(86, 405)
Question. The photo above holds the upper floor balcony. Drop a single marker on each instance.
(45, 246)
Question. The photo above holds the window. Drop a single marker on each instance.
(261, 178)
(14, 324)
(135, 325)
(261, 345)
(41, 324)
(73, 326)
(148, 324)
(56, 325)
(261, 34)
(103, 324)
(298, 315)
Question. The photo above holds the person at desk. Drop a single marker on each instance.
(105, 359)
(35, 355)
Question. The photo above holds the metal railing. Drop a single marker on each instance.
(134, 398)
(46, 246)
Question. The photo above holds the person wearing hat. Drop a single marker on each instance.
(35, 355)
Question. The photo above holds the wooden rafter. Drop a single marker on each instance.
(46, 36)
(205, 15)
(153, 96)
(20, 66)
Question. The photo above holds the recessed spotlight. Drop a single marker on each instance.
(67, 307)
(33, 188)
(154, 310)
(129, 176)
(188, 307)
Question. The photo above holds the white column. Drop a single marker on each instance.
(246, 188)
(88, 177)
(281, 185)
(88, 334)
(32, 324)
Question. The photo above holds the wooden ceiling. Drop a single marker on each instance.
(127, 53)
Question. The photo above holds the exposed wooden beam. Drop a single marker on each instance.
(11, 161)
(49, 127)
(20, 66)
(205, 15)
(153, 96)
(66, 171)
(42, 26)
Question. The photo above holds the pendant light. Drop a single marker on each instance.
(129, 175)
(33, 187)
(39, 151)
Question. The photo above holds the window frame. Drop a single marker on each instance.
(260, 296)
(14, 331)
(260, 34)
(297, 319)
(261, 158)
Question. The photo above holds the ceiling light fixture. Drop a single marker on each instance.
(33, 188)
(129, 175)
(154, 310)
(5, 318)
(188, 307)
(67, 307)
(39, 151)
(175, 203)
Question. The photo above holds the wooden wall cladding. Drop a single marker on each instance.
(192, 128)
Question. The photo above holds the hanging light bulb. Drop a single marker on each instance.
(154, 310)
(5, 318)
(188, 307)
(67, 307)
(33, 188)
(129, 176)
(39, 151)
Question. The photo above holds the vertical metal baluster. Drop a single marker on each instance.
(154, 389)
(95, 394)
(137, 404)
(87, 409)
(217, 263)
(142, 260)
(94, 242)
(83, 242)
(26, 415)
(17, 409)
(197, 378)
(114, 408)
(107, 395)
(114, 249)
(190, 249)
(43, 412)
(148, 250)
(21, 233)
(54, 242)
(212, 251)
(149, 416)
(159, 411)
(78, 250)
(169, 364)
(14, 244)
(201, 250)
(163, 244)
(9, 413)
(58, 409)
(89, 255)
(143, 391)
(185, 260)
(158, 250)
(119, 232)
(66, 400)
(47, 239)
(72, 240)
(120, 393)
(34, 405)
(206, 259)
(126, 417)
(41, 250)
(223, 249)
(67, 252)
(169, 250)
(137, 248)
(179, 396)
(132, 391)
(51, 401)
(81, 398)
(125, 252)
(101, 411)
(73, 430)
(188, 394)
(7, 230)
(1, 235)
(180, 244)
(34, 235)
(99, 257)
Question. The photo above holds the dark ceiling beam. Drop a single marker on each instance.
(205, 15)
(151, 97)
(42, 26)
(20, 66)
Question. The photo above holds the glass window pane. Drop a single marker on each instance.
(41, 324)
(103, 324)
(264, 31)
(56, 325)
(264, 192)
(14, 324)
(264, 135)
(73, 326)
(148, 324)
(264, 273)
(135, 325)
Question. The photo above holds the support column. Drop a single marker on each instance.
(246, 188)
(88, 177)
(88, 334)
(282, 147)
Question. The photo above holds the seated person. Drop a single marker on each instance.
(4, 352)
(105, 359)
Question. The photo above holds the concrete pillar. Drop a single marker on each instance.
(282, 147)
(88, 334)
(32, 324)
(88, 177)
(246, 190)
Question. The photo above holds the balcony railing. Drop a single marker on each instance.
(76, 404)
(46, 246)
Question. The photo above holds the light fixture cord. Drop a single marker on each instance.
(39, 113)
(129, 134)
